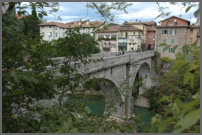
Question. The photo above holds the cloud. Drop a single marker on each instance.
(150, 12)
(144, 11)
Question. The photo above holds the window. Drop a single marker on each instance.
(42, 34)
(170, 50)
(132, 49)
(190, 40)
(49, 26)
(164, 40)
(164, 31)
(150, 37)
(129, 43)
(56, 34)
(50, 34)
(172, 41)
(191, 31)
(56, 28)
(173, 32)
(63, 34)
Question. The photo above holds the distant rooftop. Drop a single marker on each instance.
(74, 24)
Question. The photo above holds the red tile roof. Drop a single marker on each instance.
(151, 29)
(146, 23)
(195, 26)
(62, 25)
(111, 28)
(74, 24)
(129, 28)
(175, 17)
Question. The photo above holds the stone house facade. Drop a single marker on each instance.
(174, 31)
(108, 38)
(54, 30)
(193, 34)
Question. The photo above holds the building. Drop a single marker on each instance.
(108, 38)
(149, 31)
(129, 38)
(174, 31)
(193, 34)
(54, 30)
(119, 38)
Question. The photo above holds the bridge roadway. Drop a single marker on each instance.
(117, 69)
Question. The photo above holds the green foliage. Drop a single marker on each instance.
(164, 10)
(23, 78)
(27, 81)
(165, 59)
(176, 99)
(155, 62)
(83, 44)
(105, 8)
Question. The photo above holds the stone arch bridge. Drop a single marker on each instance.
(122, 70)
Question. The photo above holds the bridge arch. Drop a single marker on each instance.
(110, 91)
(143, 75)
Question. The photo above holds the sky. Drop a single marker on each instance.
(141, 11)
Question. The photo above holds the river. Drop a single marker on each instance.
(97, 106)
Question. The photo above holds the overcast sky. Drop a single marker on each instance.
(141, 11)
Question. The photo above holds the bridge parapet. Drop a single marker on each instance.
(134, 57)
(115, 61)
(106, 63)
(110, 60)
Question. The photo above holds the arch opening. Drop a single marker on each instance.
(107, 90)
(141, 83)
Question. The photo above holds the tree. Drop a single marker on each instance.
(26, 80)
(176, 100)
(164, 10)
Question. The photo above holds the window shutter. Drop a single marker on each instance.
(162, 31)
(170, 32)
(173, 51)
(175, 32)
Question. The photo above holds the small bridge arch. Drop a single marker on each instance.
(111, 93)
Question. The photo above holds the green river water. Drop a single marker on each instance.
(97, 106)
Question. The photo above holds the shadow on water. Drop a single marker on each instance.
(146, 116)
(95, 104)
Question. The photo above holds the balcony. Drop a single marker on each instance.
(106, 39)
(122, 40)
(122, 44)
